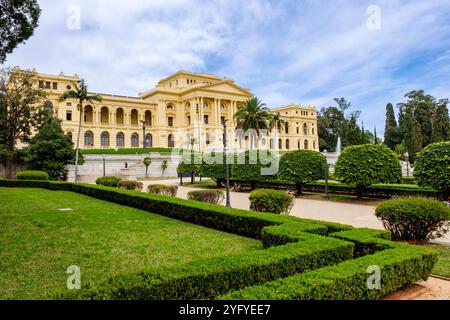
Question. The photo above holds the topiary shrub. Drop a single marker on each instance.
(301, 167)
(272, 201)
(368, 164)
(416, 218)
(162, 189)
(32, 175)
(130, 185)
(108, 181)
(208, 196)
(432, 167)
(254, 166)
(189, 164)
(213, 166)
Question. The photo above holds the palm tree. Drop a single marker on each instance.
(252, 115)
(276, 122)
(79, 92)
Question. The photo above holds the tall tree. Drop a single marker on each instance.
(391, 131)
(20, 100)
(413, 135)
(80, 93)
(18, 20)
(253, 116)
(441, 123)
(353, 132)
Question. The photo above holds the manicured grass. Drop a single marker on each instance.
(204, 184)
(442, 267)
(127, 151)
(38, 243)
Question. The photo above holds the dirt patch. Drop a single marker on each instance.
(432, 289)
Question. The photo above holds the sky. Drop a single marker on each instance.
(302, 51)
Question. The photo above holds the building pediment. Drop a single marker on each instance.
(226, 86)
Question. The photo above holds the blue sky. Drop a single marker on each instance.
(304, 51)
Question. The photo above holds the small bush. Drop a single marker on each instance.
(130, 185)
(32, 175)
(272, 201)
(208, 196)
(409, 180)
(108, 181)
(419, 219)
(162, 189)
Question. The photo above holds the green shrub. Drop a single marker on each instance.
(130, 185)
(302, 166)
(368, 164)
(209, 196)
(213, 166)
(271, 201)
(432, 167)
(108, 181)
(414, 218)
(189, 164)
(32, 175)
(162, 189)
(409, 180)
(254, 166)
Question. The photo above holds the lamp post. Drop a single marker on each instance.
(325, 152)
(199, 129)
(407, 163)
(144, 141)
(227, 170)
(104, 164)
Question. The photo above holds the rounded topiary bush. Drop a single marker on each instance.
(32, 175)
(209, 196)
(301, 167)
(214, 166)
(368, 164)
(415, 218)
(163, 189)
(130, 185)
(271, 201)
(432, 167)
(108, 181)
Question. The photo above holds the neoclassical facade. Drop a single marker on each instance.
(183, 110)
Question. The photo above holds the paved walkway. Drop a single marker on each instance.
(352, 214)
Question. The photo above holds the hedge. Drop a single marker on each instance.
(400, 266)
(292, 245)
(32, 175)
(108, 181)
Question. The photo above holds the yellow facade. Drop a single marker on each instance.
(182, 108)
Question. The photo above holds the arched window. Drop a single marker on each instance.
(148, 140)
(48, 105)
(88, 139)
(306, 145)
(148, 118)
(280, 144)
(171, 141)
(88, 114)
(305, 129)
(299, 145)
(120, 140)
(120, 117)
(208, 141)
(135, 140)
(314, 145)
(271, 143)
(69, 134)
(104, 139)
(287, 144)
(134, 117)
(104, 115)
(263, 141)
(286, 127)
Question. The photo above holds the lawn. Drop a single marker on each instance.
(442, 267)
(38, 243)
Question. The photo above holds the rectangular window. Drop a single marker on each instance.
(55, 86)
(47, 85)
(189, 120)
(298, 130)
(170, 121)
(69, 104)
(68, 115)
(41, 84)
(206, 119)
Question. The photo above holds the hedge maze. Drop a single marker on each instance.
(302, 259)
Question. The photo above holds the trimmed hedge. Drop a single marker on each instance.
(208, 196)
(32, 175)
(162, 189)
(108, 181)
(271, 201)
(418, 219)
(130, 185)
(400, 266)
(292, 245)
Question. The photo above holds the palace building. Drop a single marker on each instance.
(183, 109)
